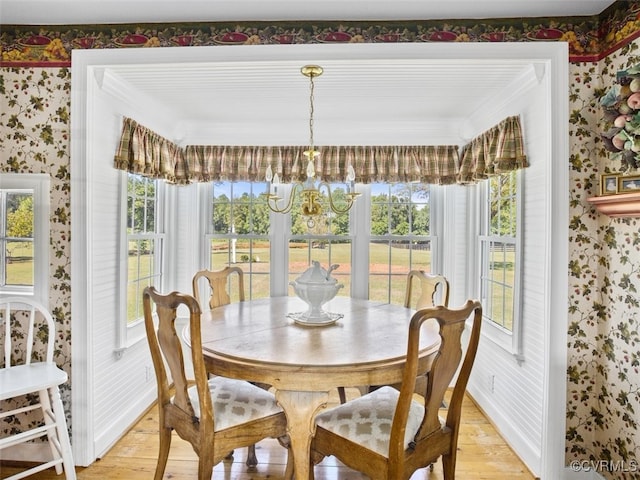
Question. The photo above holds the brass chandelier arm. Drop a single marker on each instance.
(273, 199)
(351, 197)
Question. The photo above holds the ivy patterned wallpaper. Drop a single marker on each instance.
(603, 380)
(603, 409)
(34, 138)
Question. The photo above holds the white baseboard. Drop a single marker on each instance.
(572, 474)
(121, 425)
(528, 453)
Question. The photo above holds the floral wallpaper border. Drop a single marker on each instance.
(589, 38)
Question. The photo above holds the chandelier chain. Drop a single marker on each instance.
(311, 199)
(311, 110)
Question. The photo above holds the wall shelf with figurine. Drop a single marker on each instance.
(620, 205)
(620, 192)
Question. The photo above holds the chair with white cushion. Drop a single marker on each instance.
(216, 415)
(29, 381)
(430, 286)
(220, 291)
(388, 434)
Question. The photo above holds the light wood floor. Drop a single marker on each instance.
(482, 455)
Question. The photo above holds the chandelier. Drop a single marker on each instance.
(309, 191)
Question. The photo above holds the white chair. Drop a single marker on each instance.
(38, 376)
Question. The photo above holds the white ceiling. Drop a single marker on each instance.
(369, 94)
(260, 98)
(48, 12)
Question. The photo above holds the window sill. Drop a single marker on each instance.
(620, 205)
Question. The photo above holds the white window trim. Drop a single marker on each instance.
(40, 185)
(510, 341)
(131, 333)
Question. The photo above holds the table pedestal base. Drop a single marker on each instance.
(301, 409)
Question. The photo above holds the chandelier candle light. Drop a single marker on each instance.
(309, 190)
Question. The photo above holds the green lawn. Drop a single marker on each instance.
(20, 264)
(384, 277)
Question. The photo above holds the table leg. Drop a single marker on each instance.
(301, 409)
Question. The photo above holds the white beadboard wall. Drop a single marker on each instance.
(511, 393)
(127, 383)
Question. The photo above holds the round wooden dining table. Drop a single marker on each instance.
(260, 341)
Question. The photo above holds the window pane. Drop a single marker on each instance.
(19, 263)
(19, 218)
(498, 282)
(251, 255)
(240, 208)
(389, 263)
(16, 238)
(141, 201)
(142, 272)
(326, 251)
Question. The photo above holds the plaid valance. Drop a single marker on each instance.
(498, 150)
(144, 152)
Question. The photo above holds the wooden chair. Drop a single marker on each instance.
(388, 434)
(429, 285)
(215, 415)
(218, 283)
(35, 376)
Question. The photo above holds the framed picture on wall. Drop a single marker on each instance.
(629, 184)
(609, 183)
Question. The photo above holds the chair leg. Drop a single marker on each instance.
(342, 394)
(288, 471)
(49, 419)
(252, 460)
(163, 452)
(205, 467)
(312, 464)
(63, 434)
(449, 466)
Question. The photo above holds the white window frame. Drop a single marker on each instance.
(39, 185)
(206, 201)
(360, 238)
(130, 333)
(511, 341)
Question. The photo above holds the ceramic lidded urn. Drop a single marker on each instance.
(316, 287)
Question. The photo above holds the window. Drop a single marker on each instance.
(400, 238)
(238, 234)
(328, 242)
(144, 242)
(500, 259)
(24, 235)
(386, 234)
